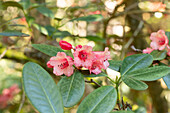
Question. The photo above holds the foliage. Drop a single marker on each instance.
(40, 28)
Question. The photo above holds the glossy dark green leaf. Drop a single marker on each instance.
(134, 84)
(168, 35)
(122, 112)
(90, 18)
(94, 38)
(13, 33)
(158, 55)
(11, 3)
(167, 80)
(134, 62)
(115, 65)
(72, 89)
(101, 100)
(45, 11)
(149, 74)
(47, 49)
(41, 89)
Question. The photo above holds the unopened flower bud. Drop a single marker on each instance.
(65, 45)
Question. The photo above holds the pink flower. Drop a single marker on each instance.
(148, 50)
(168, 53)
(83, 56)
(101, 61)
(94, 12)
(3, 101)
(65, 45)
(159, 40)
(61, 64)
(7, 95)
(96, 67)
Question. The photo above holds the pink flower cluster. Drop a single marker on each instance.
(84, 56)
(159, 42)
(7, 95)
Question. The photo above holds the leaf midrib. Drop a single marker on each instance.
(100, 101)
(133, 79)
(133, 65)
(148, 70)
(44, 91)
(70, 87)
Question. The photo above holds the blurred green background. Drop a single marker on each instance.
(121, 25)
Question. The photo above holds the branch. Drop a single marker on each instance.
(92, 81)
(22, 102)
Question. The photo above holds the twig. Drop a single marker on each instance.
(123, 104)
(134, 35)
(11, 47)
(92, 81)
(140, 19)
(22, 103)
(3, 53)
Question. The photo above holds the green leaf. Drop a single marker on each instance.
(60, 34)
(11, 3)
(168, 35)
(41, 89)
(134, 84)
(72, 89)
(149, 74)
(122, 112)
(47, 49)
(167, 80)
(45, 11)
(134, 62)
(26, 3)
(115, 65)
(13, 33)
(158, 55)
(41, 28)
(30, 20)
(94, 38)
(2, 24)
(55, 33)
(90, 18)
(101, 100)
(17, 25)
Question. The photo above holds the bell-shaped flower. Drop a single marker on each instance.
(96, 67)
(148, 50)
(159, 40)
(65, 45)
(61, 64)
(100, 61)
(83, 56)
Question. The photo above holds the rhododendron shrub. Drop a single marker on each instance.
(85, 63)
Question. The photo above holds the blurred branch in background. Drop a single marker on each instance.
(118, 24)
